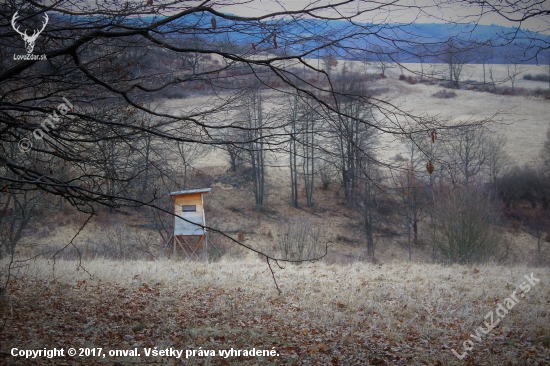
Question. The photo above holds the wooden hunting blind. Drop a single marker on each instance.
(189, 205)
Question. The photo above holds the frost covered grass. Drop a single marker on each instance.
(397, 313)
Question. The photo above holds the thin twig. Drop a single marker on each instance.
(273, 274)
(74, 246)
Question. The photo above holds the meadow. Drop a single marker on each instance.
(354, 314)
(341, 310)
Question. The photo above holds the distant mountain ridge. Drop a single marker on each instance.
(505, 41)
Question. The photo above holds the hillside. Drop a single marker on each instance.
(230, 206)
(274, 183)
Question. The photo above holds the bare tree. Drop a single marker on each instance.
(329, 62)
(352, 137)
(116, 61)
(422, 55)
(467, 227)
(498, 159)
(308, 151)
(293, 115)
(540, 221)
(486, 54)
(302, 145)
(468, 151)
(367, 201)
(383, 58)
(17, 209)
(254, 121)
(456, 54)
(190, 152)
(231, 140)
(512, 63)
(411, 191)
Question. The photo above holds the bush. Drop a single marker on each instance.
(537, 77)
(173, 93)
(443, 94)
(525, 184)
(411, 80)
(327, 174)
(199, 179)
(467, 227)
(300, 241)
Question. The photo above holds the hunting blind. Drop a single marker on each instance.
(189, 232)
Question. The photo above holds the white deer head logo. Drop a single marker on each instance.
(29, 40)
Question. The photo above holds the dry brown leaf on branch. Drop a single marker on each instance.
(429, 167)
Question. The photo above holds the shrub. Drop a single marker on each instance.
(443, 94)
(411, 80)
(199, 179)
(525, 184)
(467, 227)
(326, 174)
(173, 93)
(537, 77)
(300, 241)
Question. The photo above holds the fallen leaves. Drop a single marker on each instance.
(380, 325)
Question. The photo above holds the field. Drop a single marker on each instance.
(272, 182)
(340, 311)
(521, 118)
(357, 314)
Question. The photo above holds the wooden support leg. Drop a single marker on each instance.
(188, 248)
(198, 245)
(174, 247)
(166, 246)
(181, 246)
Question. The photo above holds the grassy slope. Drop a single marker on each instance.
(396, 313)
(233, 209)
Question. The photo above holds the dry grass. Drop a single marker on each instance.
(351, 313)
(348, 314)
